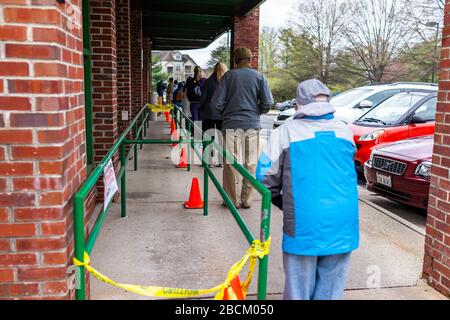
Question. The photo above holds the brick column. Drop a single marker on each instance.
(437, 241)
(146, 71)
(123, 30)
(42, 144)
(104, 80)
(136, 57)
(245, 33)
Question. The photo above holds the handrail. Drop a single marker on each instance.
(81, 244)
(266, 195)
(79, 199)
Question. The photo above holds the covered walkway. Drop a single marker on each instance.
(73, 76)
(161, 243)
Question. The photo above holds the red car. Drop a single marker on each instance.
(401, 171)
(405, 115)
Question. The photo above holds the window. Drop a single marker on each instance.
(379, 97)
(170, 70)
(348, 97)
(427, 111)
(188, 69)
(393, 109)
(178, 57)
(178, 68)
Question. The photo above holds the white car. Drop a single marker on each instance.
(352, 104)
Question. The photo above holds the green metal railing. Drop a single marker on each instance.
(138, 127)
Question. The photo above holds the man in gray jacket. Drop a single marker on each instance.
(241, 98)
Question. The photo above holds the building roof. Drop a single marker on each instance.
(168, 56)
(190, 24)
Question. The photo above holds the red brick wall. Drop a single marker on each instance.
(104, 77)
(245, 33)
(146, 71)
(437, 241)
(136, 56)
(42, 144)
(123, 31)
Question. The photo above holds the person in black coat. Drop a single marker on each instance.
(212, 119)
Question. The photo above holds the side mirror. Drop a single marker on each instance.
(365, 104)
(417, 120)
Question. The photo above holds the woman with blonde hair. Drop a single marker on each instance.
(212, 120)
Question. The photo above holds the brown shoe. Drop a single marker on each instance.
(225, 205)
(246, 206)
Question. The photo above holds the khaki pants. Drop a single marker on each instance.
(244, 146)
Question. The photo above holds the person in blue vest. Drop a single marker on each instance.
(309, 168)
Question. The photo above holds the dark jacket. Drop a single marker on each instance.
(208, 90)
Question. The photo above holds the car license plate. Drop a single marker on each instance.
(384, 180)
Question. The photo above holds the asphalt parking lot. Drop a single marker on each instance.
(415, 216)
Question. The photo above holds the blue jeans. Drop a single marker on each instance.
(315, 278)
(196, 111)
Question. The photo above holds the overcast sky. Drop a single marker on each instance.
(274, 13)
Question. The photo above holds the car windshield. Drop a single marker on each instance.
(393, 109)
(349, 97)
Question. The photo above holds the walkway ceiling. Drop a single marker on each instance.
(190, 24)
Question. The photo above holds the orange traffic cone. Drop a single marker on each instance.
(183, 159)
(195, 199)
(234, 291)
(172, 126)
(167, 114)
(175, 137)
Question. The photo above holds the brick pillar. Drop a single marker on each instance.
(123, 31)
(42, 145)
(146, 71)
(104, 80)
(245, 33)
(437, 241)
(136, 57)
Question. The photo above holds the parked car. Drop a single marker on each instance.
(401, 171)
(405, 115)
(283, 106)
(352, 104)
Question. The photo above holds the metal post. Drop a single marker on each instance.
(205, 183)
(78, 222)
(141, 125)
(189, 146)
(123, 182)
(264, 236)
(135, 137)
(88, 84)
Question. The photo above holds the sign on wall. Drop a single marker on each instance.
(110, 183)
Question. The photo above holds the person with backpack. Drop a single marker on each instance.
(178, 95)
(194, 92)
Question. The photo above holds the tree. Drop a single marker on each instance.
(157, 74)
(220, 54)
(268, 50)
(377, 30)
(322, 23)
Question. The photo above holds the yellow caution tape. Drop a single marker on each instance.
(257, 250)
(158, 108)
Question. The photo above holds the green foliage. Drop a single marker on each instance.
(220, 54)
(157, 74)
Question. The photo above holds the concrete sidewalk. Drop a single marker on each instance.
(160, 243)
